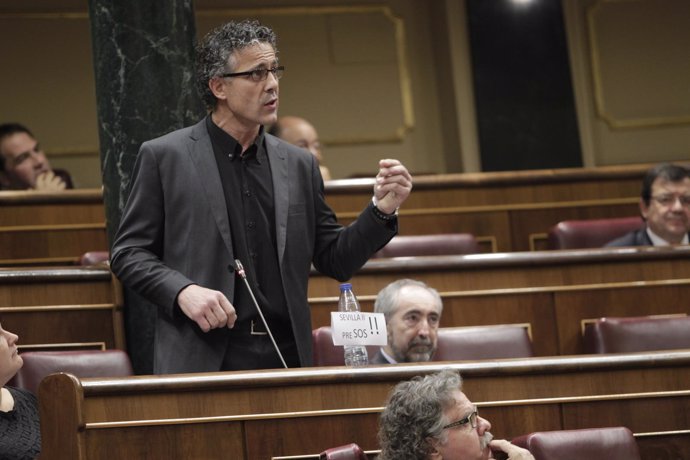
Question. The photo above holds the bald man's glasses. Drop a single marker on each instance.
(258, 74)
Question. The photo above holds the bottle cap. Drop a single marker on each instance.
(345, 286)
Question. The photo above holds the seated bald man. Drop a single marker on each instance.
(413, 312)
(298, 131)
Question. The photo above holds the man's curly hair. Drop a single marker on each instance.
(214, 52)
(414, 413)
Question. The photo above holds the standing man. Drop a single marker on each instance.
(413, 313)
(430, 418)
(301, 133)
(222, 190)
(665, 207)
(23, 164)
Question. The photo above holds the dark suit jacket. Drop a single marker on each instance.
(378, 358)
(634, 238)
(175, 232)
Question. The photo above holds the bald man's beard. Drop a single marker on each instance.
(417, 350)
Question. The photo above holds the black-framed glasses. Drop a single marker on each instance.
(258, 74)
(471, 418)
(670, 200)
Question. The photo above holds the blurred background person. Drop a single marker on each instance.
(24, 165)
(298, 131)
(20, 430)
(665, 207)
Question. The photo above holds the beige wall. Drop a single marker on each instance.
(380, 79)
(631, 72)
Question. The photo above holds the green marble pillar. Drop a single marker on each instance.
(143, 54)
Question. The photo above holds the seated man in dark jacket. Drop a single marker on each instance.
(665, 207)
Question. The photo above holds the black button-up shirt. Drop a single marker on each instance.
(248, 188)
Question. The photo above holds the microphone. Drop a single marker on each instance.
(239, 269)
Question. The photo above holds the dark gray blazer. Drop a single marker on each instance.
(175, 232)
(635, 238)
(378, 358)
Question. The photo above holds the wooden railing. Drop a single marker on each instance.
(62, 307)
(506, 211)
(50, 228)
(551, 290)
(298, 413)
(515, 208)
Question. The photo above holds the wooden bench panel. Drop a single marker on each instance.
(78, 307)
(303, 411)
(517, 270)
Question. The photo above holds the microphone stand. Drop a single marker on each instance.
(239, 269)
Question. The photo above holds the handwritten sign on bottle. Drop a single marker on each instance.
(358, 328)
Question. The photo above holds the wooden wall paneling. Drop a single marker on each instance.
(297, 433)
(637, 299)
(50, 244)
(535, 308)
(509, 421)
(554, 313)
(55, 286)
(661, 423)
(70, 324)
(658, 411)
(516, 270)
(520, 227)
(532, 225)
(181, 442)
(519, 395)
(497, 188)
(79, 307)
(21, 208)
(663, 445)
(50, 228)
(459, 309)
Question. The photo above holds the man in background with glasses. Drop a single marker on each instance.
(665, 207)
(224, 190)
(429, 418)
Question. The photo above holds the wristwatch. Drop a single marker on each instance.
(380, 214)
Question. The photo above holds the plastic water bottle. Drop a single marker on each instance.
(355, 355)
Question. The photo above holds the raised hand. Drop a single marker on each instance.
(393, 185)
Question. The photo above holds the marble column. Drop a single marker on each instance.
(143, 54)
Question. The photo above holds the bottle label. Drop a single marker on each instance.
(358, 328)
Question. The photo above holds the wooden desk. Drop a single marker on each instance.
(551, 290)
(273, 414)
(62, 307)
(50, 228)
(507, 211)
(517, 270)
(514, 210)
